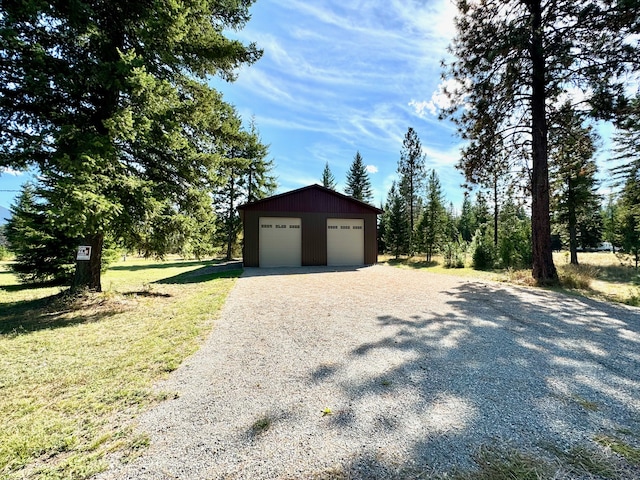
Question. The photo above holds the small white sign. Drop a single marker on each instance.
(84, 252)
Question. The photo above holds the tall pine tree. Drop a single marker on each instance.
(512, 63)
(432, 229)
(328, 180)
(574, 197)
(358, 184)
(396, 225)
(411, 171)
(110, 101)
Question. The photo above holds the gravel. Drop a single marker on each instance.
(377, 372)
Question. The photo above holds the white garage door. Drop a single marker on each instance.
(345, 241)
(280, 242)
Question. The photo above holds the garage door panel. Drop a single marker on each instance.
(345, 241)
(280, 242)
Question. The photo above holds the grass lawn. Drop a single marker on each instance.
(73, 374)
(601, 275)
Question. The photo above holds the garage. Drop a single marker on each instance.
(280, 242)
(345, 241)
(309, 226)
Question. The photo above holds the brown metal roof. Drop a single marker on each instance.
(314, 198)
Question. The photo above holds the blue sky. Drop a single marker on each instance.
(339, 77)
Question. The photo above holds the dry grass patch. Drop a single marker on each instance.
(75, 371)
(602, 275)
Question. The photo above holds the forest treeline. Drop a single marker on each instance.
(110, 101)
(492, 227)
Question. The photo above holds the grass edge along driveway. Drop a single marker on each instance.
(74, 373)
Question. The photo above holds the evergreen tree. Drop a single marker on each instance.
(328, 180)
(481, 211)
(396, 225)
(575, 201)
(432, 229)
(627, 139)
(629, 215)
(411, 171)
(512, 63)
(110, 101)
(514, 241)
(358, 184)
(260, 181)
(382, 230)
(42, 252)
(467, 224)
(609, 221)
(243, 176)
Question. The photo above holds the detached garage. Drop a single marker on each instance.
(309, 226)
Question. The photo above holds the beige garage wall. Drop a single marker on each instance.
(345, 241)
(280, 242)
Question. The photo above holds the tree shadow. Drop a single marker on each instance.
(532, 368)
(32, 285)
(46, 313)
(417, 264)
(155, 266)
(200, 275)
(617, 273)
(146, 294)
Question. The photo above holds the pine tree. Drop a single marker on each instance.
(382, 231)
(328, 180)
(629, 214)
(575, 201)
(466, 222)
(514, 241)
(110, 101)
(243, 176)
(260, 182)
(432, 228)
(396, 226)
(411, 171)
(609, 221)
(42, 252)
(513, 63)
(358, 184)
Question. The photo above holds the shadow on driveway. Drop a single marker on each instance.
(533, 370)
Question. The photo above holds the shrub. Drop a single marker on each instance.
(482, 251)
(455, 254)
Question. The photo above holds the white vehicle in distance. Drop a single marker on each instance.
(604, 247)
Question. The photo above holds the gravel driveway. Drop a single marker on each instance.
(372, 372)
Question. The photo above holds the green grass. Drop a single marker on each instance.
(261, 425)
(631, 454)
(75, 372)
(507, 464)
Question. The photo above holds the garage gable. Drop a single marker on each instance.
(313, 198)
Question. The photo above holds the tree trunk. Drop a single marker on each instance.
(573, 237)
(544, 271)
(495, 211)
(573, 242)
(230, 217)
(87, 275)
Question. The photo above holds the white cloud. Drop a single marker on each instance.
(448, 93)
(372, 169)
(10, 171)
